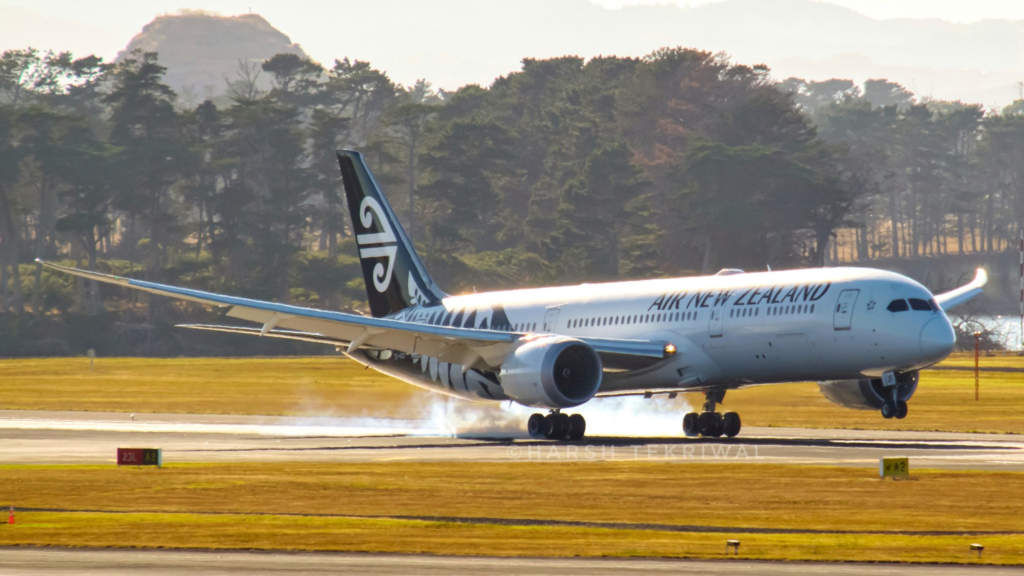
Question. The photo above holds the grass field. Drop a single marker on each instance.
(319, 386)
(170, 508)
(331, 386)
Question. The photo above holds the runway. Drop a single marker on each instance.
(32, 437)
(40, 561)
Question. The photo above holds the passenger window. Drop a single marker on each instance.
(898, 306)
(920, 305)
(812, 308)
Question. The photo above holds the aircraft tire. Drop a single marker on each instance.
(536, 426)
(707, 424)
(577, 427)
(719, 426)
(690, 427)
(901, 410)
(553, 430)
(888, 409)
(563, 426)
(731, 424)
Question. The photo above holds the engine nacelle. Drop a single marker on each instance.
(868, 393)
(552, 372)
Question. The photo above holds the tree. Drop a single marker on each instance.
(460, 192)
(590, 214)
(10, 236)
(410, 119)
(144, 124)
(885, 93)
(296, 79)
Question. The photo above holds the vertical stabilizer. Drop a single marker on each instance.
(395, 277)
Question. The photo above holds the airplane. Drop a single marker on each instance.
(863, 334)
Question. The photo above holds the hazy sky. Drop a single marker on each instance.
(956, 10)
(104, 26)
(329, 29)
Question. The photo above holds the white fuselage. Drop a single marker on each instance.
(729, 330)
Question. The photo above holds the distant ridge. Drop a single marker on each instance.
(200, 49)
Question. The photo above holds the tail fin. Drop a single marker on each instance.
(395, 276)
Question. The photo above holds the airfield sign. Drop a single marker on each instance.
(140, 457)
(894, 467)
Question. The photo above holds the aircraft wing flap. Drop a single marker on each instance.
(645, 348)
(380, 332)
(284, 334)
(963, 294)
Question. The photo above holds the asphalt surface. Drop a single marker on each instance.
(39, 561)
(28, 437)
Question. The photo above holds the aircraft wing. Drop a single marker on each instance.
(469, 347)
(961, 295)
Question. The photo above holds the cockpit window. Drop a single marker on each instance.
(935, 305)
(898, 306)
(920, 305)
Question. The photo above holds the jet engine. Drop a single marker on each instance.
(868, 393)
(552, 372)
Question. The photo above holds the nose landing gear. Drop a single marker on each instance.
(894, 407)
(711, 424)
(557, 426)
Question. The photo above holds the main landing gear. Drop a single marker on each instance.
(711, 424)
(557, 426)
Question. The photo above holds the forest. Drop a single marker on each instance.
(567, 170)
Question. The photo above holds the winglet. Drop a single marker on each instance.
(99, 277)
(963, 294)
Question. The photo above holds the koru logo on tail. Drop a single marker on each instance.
(415, 294)
(382, 244)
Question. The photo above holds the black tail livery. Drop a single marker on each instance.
(395, 277)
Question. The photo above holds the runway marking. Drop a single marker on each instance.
(344, 428)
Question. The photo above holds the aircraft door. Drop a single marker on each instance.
(550, 318)
(715, 322)
(843, 317)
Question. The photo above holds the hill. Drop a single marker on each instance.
(200, 49)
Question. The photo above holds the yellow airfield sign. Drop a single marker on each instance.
(894, 467)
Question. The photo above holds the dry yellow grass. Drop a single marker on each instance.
(276, 386)
(820, 498)
(748, 495)
(414, 537)
(332, 386)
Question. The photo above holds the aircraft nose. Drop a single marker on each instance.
(937, 338)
